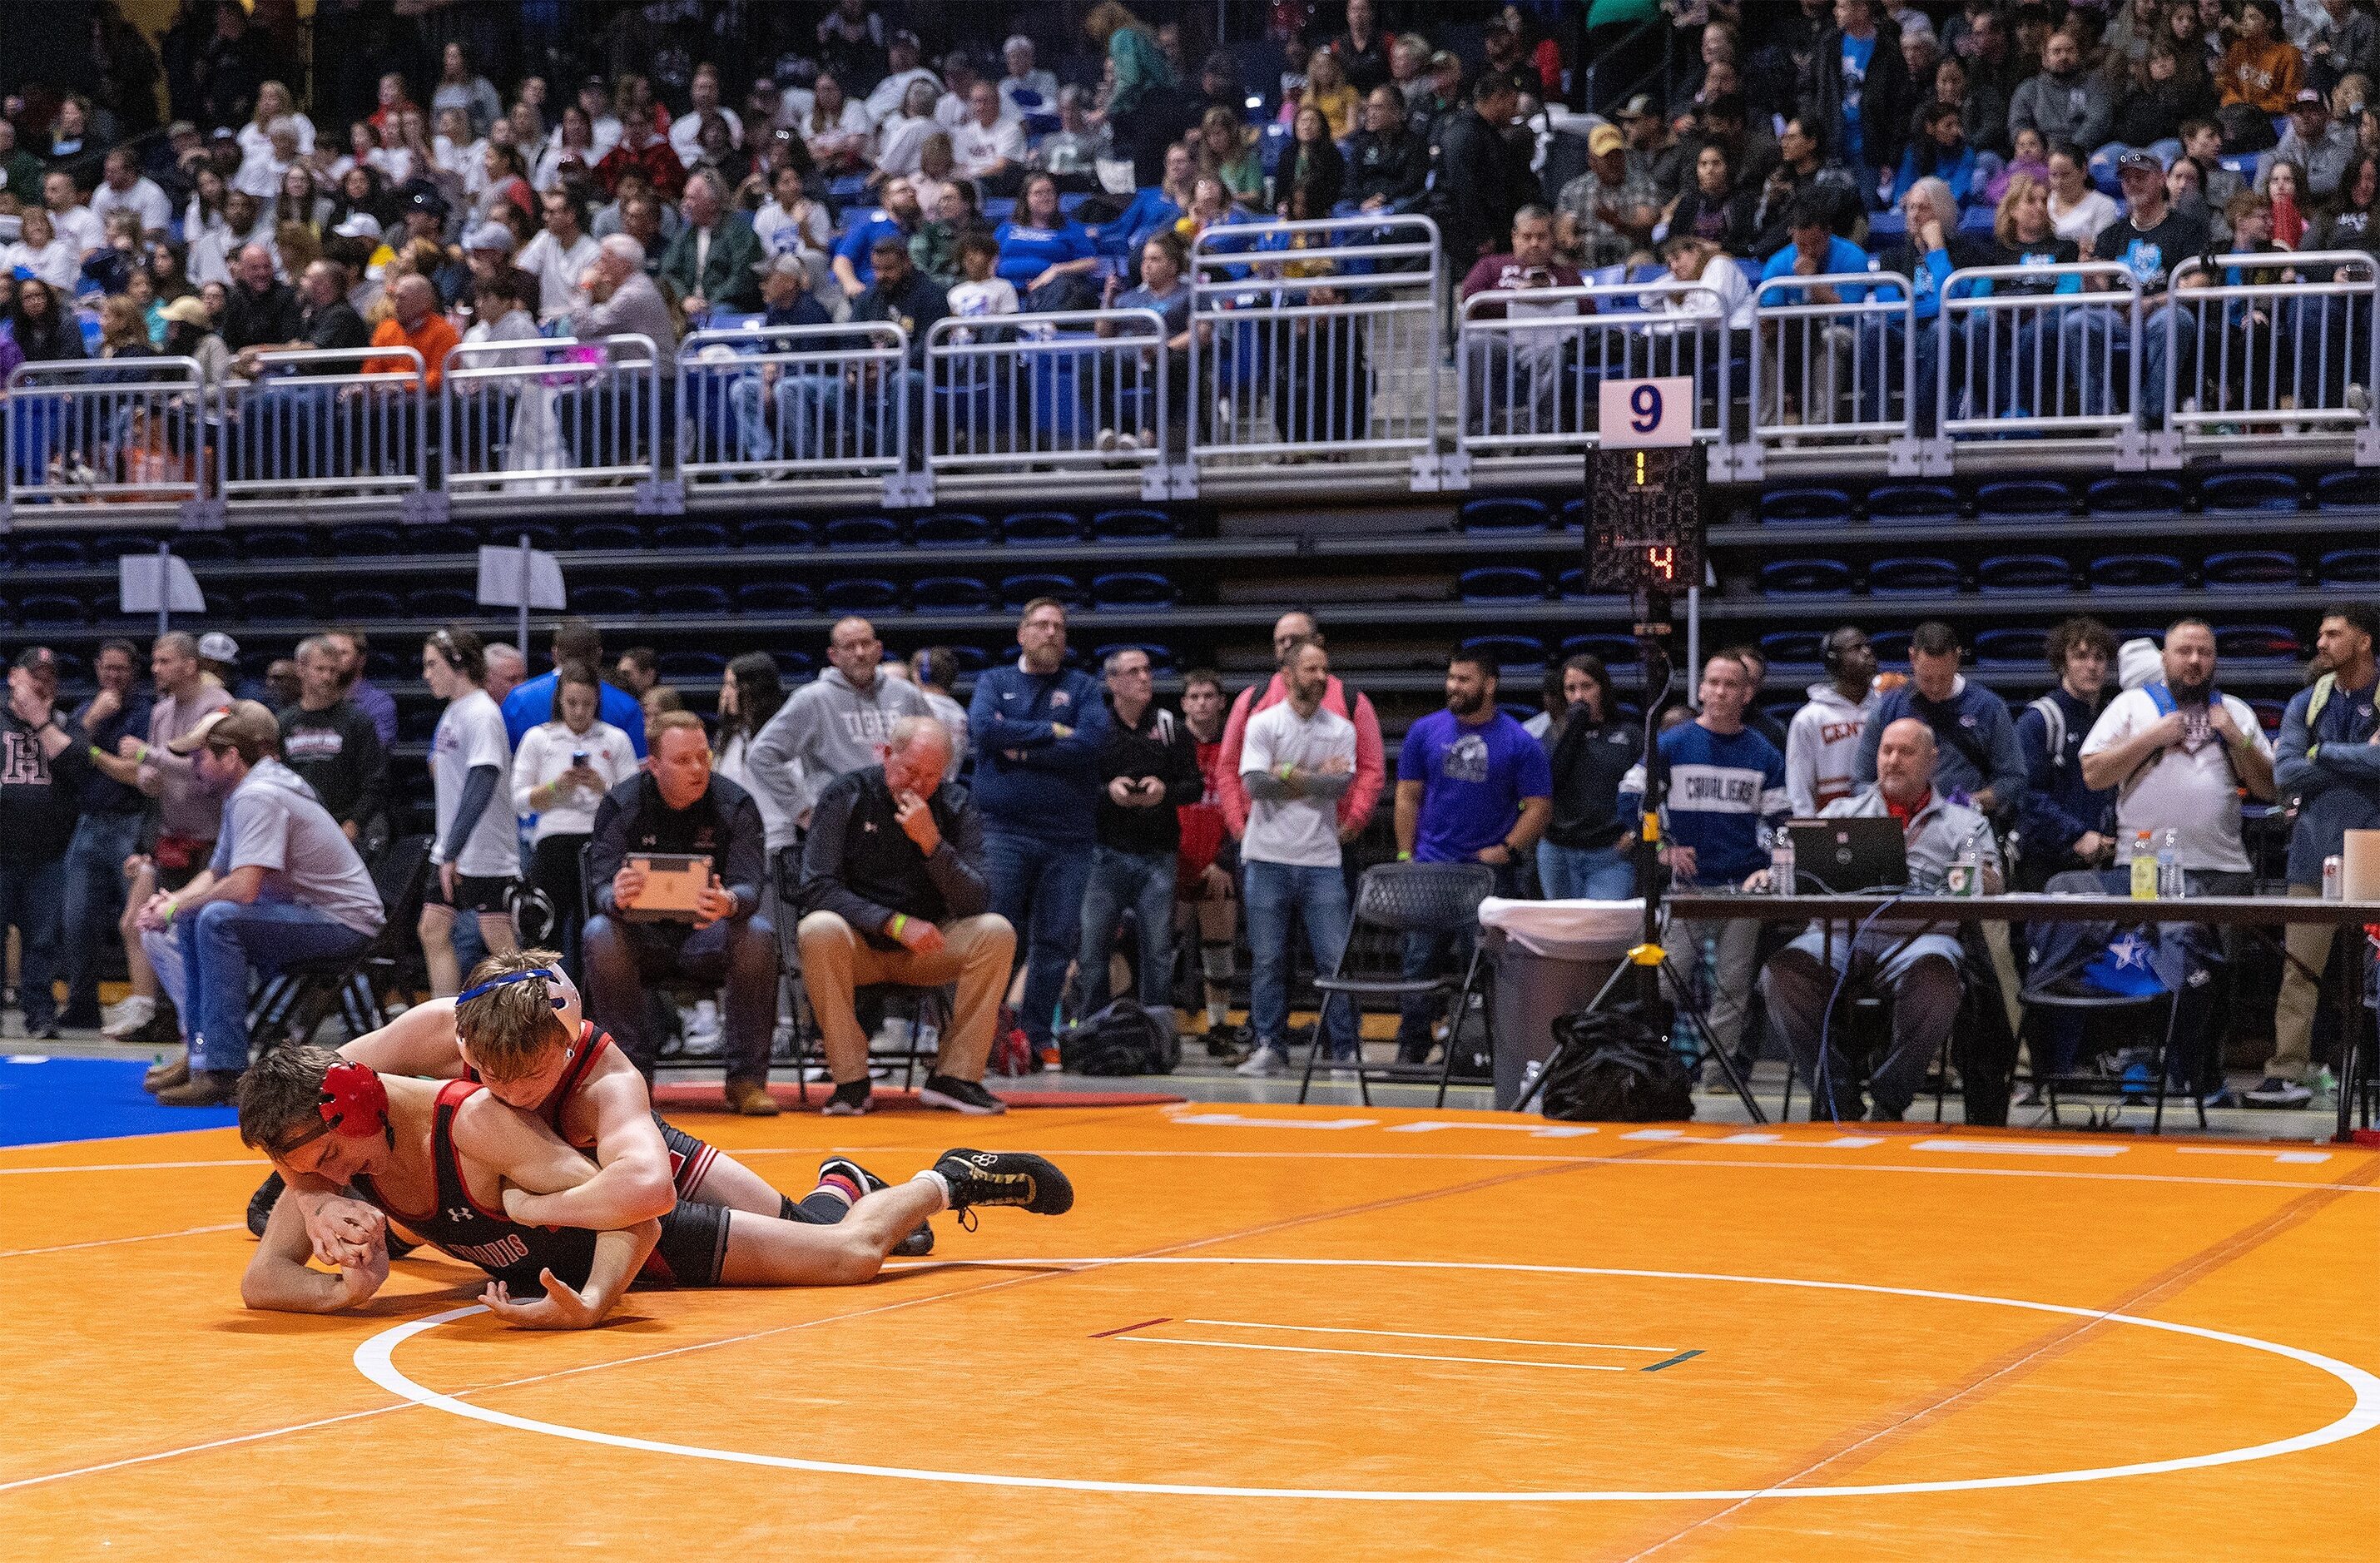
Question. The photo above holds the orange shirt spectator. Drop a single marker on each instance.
(418, 326)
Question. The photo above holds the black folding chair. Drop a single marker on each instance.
(296, 999)
(1393, 900)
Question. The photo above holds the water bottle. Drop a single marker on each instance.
(1781, 878)
(2170, 886)
(2144, 867)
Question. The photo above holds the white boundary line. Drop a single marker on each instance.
(111, 1243)
(375, 1360)
(1417, 1335)
(1392, 1356)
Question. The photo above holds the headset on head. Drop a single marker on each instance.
(1832, 649)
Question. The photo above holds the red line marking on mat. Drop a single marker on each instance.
(1126, 1329)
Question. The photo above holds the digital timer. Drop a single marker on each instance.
(1644, 527)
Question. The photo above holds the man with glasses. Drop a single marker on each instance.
(1148, 768)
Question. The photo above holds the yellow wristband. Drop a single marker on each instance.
(900, 922)
(172, 907)
(1288, 769)
(1404, 857)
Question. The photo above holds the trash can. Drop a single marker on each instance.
(1551, 957)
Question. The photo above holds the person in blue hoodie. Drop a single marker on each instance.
(1934, 249)
(2061, 822)
(1942, 152)
(1980, 763)
(1036, 729)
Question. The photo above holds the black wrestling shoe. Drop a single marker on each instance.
(1017, 1178)
(261, 1204)
(953, 1095)
(850, 1100)
(917, 1244)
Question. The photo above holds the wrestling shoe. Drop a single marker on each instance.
(917, 1244)
(261, 1204)
(850, 1100)
(1017, 1178)
(954, 1095)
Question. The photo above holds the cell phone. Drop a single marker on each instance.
(578, 759)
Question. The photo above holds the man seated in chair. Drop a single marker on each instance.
(284, 885)
(678, 806)
(1919, 970)
(893, 890)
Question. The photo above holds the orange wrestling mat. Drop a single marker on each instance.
(1265, 1333)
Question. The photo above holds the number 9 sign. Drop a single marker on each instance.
(1641, 413)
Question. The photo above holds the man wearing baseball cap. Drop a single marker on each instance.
(41, 768)
(2315, 141)
(284, 885)
(1613, 205)
(2150, 241)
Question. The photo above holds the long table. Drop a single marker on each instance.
(2225, 910)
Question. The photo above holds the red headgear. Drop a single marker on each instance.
(355, 1102)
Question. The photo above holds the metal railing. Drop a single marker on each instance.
(792, 402)
(2287, 349)
(552, 415)
(112, 431)
(325, 426)
(2015, 363)
(1824, 371)
(1020, 396)
(1314, 339)
(1530, 364)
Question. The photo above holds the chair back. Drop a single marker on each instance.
(1426, 898)
(401, 874)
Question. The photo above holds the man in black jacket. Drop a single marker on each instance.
(1148, 768)
(1478, 186)
(1387, 163)
(40, 769)
(678, 806)
(893, 892)
(1857, 85)
(334, 746)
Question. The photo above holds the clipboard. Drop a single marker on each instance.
(674, 883)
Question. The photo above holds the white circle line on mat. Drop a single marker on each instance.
(375, 1360)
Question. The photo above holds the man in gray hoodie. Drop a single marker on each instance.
(2065, 102)
(839, 724)
(1823, 744)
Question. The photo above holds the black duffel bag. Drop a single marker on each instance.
(1124, 1038)
(1613, 1068)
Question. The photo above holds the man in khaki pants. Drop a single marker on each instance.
(2329, 760)
(893, 890)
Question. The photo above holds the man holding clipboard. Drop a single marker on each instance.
(676, 863)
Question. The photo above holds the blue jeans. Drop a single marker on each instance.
(1585, 873)
(1424, 952)
(1037, 885)
(2085, 336)
(218, 943)
(92, 896)
(823, 416)
(1318, 896)
(1143, 881)
(29, 903)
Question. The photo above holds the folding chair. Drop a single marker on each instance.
(1393, 900)
(295, 999)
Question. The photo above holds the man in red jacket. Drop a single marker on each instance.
(1371, 766)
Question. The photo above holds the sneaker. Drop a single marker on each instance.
(954, 1095)
(162, 1029)
(751, 1098)
(261, 1204)
(205, 1088)
(1052, 1060)
(917, 1244)
(699, 1030)
(850, 1100)
(129, 1017)
(1227, 1041)
(1017, 1178)
(1107, 440)
(1266, 1061)
(2275, 1092)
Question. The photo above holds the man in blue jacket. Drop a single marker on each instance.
(1812, 352)
(1980, 761)
(530, 704)
(1037, 731)
(2061, 822)
(2329, 760)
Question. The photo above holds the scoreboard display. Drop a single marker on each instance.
(1644, 520)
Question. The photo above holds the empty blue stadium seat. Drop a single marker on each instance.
(1913, 576)
(51, 607)
(445, 603)
(1507, 512)
(276, 604)
(774, 596)
(1132, 526)
(791, 665)
(417, 723)
(2134, 497)
(1500, 582)
(859, 594)
(366, 542)
(774, 531)
(2012, 648)
(1798, 507)
(1508, 651)
(695, 599)
(1573, 515)
(951, 594)
(71, 668)
(1805, 577)
(1782, 711)
(863, 531)
(2252, 569)
(1573, 586)
(971, 658)
(206, 548)
(364, 602)
(1795, 648)
(1040, 527)
(2358, 490)
(508, 533)
(2258, 643)
(1891, 647)
(2230, 492)
(269, 543)
(956, 529)
(1133, 588)
(2024, 572)
(443, 537)
(1900, 504)
(109, 547)
(2134, 571)
(39, 553)
(606, 597)
(2022, 499)
(1015, 591)
(1160, 657)
(1617, 650)
(691, 667)
(709, 536)
(2349, 566)
(607, 536)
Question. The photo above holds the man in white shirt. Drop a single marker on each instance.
(685, 130)
(125, 187)
(959, 76)
(902, 54)
(1298, 757)
(595, 99)
(1821, 743)
(2178, 752)
(558, 256)
(989, 147)
(72, 218)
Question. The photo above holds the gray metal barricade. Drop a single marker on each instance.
(2286, 350)
(2019, 359)
(775, 403)
(1829, 372)
(1011, 399)
(1530, 364)
(325, 426)
(1316, 339)
(114, 430)
(552, 415)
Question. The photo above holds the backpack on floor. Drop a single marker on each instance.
(1616, 1069)
(1124, 1039)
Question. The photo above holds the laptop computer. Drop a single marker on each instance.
(1849, 855)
